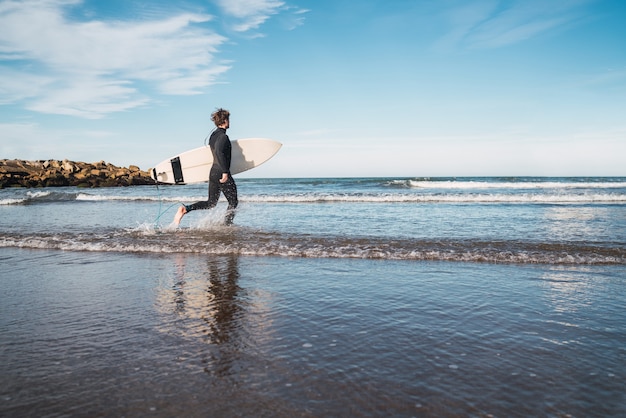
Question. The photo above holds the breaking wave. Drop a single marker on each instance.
(247, 242)
(521, 198)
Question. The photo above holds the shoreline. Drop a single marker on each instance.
(62, 173)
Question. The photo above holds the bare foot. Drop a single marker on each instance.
(179, 215)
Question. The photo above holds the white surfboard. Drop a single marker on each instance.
(193, 166)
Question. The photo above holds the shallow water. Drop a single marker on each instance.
(89, 334)
(329, 297)
(527, 220)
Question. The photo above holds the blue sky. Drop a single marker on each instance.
(351, 88)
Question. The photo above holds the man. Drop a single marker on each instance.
(220, 180)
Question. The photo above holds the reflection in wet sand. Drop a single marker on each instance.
(225, 315)
(206, 303)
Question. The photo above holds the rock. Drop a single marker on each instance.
(80, 176)
(55, 173)
(68, 166)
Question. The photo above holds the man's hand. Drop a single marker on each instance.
(224, 178)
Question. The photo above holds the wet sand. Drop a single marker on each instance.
(123, 334)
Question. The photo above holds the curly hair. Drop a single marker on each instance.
(220, 116)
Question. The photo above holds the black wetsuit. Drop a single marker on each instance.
(221, 149)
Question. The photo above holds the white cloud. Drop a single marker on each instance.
(189, 84)
(492, 23)
(89, 98)
(17, 85)
(464, 19)
(93, 67)
(251, 14)
(295, 19)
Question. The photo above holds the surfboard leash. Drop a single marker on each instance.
(162, 212)
(207, 137)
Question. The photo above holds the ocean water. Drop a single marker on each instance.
(328, 297)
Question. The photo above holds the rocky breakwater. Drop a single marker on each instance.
(55, 173)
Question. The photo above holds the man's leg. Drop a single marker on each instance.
(230, 192)
(179, 215)
(214, 195)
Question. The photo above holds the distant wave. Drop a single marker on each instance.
(359, 190)
(510, 185)
(101, 197)
(242, 241)
(12, 201)
(49, 197)
(30, 196)
(538, 198)
(441, 198)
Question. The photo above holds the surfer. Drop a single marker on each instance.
(220, 180)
